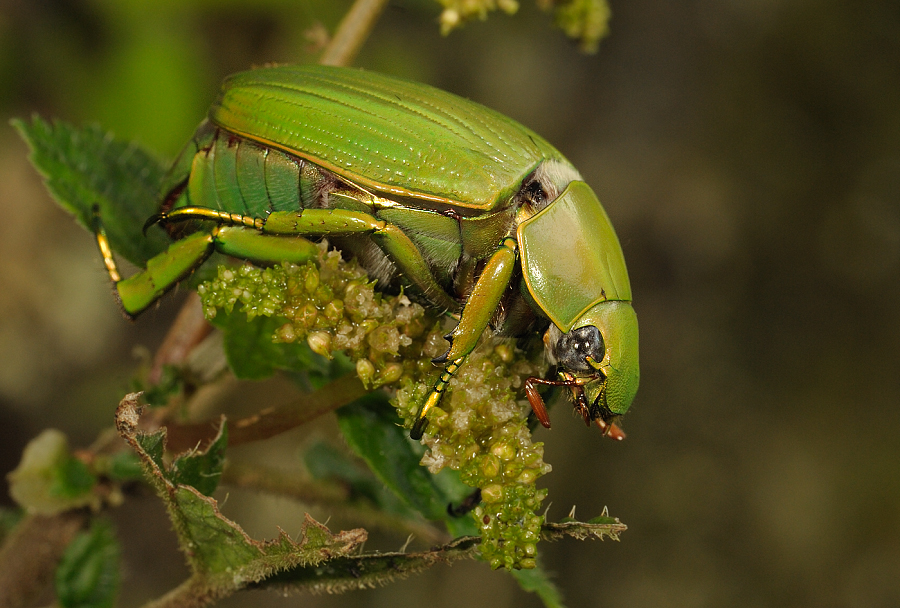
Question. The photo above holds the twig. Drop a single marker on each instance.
(352, 32)
(271, 421)
(188, 330)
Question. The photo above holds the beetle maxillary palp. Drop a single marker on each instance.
(591, 413)
(537, 402)
(610, 429)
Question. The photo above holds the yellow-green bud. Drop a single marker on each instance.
(390, 374)
(490, 466)
(503, 451)
(366, 371)
(334, 311)
(320, 343)
(492, 493)
(312, 279)
(285, 333)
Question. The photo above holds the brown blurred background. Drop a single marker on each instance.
(748, 152)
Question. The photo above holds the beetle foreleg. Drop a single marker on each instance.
(476, 315)
(482, 301)
(537, 402)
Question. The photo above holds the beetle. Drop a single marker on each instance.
(470, 211)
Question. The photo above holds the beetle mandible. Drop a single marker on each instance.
(475, 213)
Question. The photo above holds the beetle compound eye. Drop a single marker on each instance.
(534, 193)
(575, 348)
(532, 197)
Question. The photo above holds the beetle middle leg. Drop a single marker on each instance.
(328, 222)
(163, 271)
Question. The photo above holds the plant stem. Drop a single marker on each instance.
(271, 421)
(192, 593)
(188, 330)
(352, 32)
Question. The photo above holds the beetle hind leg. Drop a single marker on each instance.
(163, 271)
(184, 214)
(105, 250)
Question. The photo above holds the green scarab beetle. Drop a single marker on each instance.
(468, 210)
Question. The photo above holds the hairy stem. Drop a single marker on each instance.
(192, 593)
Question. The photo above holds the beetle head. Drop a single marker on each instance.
(601, 351)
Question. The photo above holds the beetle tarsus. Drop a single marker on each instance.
(418, 428)
(441, 359)
(154, 219)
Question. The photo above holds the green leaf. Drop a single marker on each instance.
(253, 355)
(222, 557)
(170, 383)
(49, 479)
(124, 466)
(324, 461)
(9, 519)
(73, 479)
(88, 573)
(370, 426)
(538, 581)
(202, 470)
(84, 167)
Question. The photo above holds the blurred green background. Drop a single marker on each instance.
(748, 152)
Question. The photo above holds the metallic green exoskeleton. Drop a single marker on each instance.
(469, 210)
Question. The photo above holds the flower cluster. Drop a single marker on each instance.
(333, 306)
(586, 21)
(479, 428)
